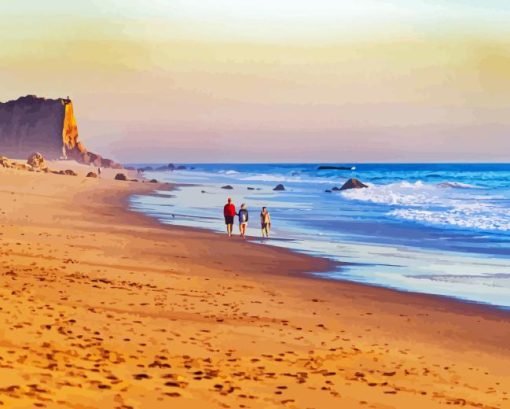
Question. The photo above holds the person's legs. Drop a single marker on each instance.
(242, 229)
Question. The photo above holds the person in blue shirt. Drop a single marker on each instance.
(243, 220)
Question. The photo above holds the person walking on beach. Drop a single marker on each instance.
(265, 222)
(229, 211)
(243, 220)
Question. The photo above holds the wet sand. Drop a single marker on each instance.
(101, 307)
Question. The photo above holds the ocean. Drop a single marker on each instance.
(439, 229)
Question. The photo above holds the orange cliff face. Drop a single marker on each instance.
(70, 130)
(72, 146)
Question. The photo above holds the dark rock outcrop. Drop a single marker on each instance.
(328, 167)
(353, 184)
(12, 164)
(36, 160)
(47, 126)
(120, 176)
(92, 175)
(227, 187)
(279, 188)
(68, 172)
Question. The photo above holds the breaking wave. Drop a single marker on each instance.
(446, 204)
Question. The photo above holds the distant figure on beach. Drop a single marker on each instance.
(265, 222)
(229, 211)
(99, 171)
(243, 220)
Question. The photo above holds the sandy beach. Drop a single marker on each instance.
(101, 307)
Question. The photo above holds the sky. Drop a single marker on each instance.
(269, 81)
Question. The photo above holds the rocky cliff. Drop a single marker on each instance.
(47, 126)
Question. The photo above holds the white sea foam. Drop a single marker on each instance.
(437, 205)
(403, 193)
(456, 185)
(280, 178)
(459, 217)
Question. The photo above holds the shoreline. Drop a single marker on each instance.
(334, 265)
(105, 306)
(401, 297)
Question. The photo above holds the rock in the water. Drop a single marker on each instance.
(92, 175)
(251, 188)
(327, 191)
(181, 167)
(153, 181)
(328, 167)
(353, 184)
(120, 176)
(335, 189)
(36, 160)
(227, 187)
(279, 188)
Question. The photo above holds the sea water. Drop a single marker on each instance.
(432, 228)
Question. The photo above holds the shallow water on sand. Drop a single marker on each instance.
(437, 229)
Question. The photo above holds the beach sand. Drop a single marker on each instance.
(101, 307)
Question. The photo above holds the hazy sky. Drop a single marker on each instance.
(279, 80)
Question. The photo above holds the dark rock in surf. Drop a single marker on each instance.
(120, 176)
(227, 187)
(327, 191)
(353, 184)
(279, 188)
(327, 167)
